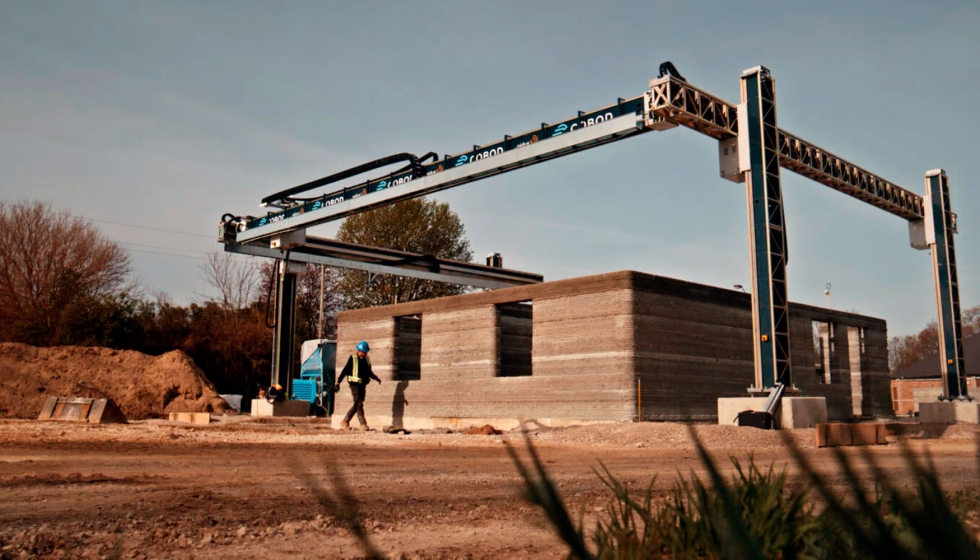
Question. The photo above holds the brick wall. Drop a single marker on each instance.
(906, 394)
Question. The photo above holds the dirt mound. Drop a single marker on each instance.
(486, 430)
(143, 386)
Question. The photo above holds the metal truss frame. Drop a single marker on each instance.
(767, 232)
(947, 284)
(669, 102)
(375, 260)
(679, 102)
(676, 101)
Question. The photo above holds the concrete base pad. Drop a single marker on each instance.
(946, 412)
(835, 435)
(456, 423)
(200, 418)
(262, 407)
(794, 412)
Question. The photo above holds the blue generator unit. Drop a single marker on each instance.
(317, 375)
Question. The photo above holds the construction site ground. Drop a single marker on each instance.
(244, 488)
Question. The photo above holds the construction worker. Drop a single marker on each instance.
(358, 373)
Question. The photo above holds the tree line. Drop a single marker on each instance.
(904, 351)
(64, 283)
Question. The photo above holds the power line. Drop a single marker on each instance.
(164, 248)
(161, 250)
(167, 254)
(232, 255)
(66, 214)
(151, 228)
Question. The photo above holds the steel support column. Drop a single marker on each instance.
(767, 234)
(285, 333)
(947, 287)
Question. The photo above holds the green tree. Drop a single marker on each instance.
(415, 226)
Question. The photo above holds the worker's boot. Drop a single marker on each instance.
(364, 427)
(344, 424)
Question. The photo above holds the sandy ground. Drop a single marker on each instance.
(235, 489)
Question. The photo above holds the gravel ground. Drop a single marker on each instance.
(654, 435)
(241, 488)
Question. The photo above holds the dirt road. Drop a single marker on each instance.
(245, 489)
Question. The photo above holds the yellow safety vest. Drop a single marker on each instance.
(354, 377)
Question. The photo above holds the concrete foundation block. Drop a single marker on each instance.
(802, 412)
(199, 418)
(945, 412)
(728, 408)
(794, 412)
(262, 407)
(833, 435)
(869, 434)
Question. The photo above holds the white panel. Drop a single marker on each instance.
(929, 222)
(744, 161)
(728, 160)
(917, 234)
(289, 240)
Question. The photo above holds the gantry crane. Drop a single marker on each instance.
(752, 149)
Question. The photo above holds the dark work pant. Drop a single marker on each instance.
(356, 391)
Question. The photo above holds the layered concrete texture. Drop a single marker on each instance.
(946, 412)
(793, 412)
(623, 346)
(802, 412)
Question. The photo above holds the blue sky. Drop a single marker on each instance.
(168, 114)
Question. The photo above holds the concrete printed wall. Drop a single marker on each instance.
(873, 397)
(690, 351)
(613, 347)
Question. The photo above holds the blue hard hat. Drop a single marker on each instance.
(362, 346)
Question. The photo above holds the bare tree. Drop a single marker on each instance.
(236, 278)
(48, 260)
(904, 351)
(308, 302)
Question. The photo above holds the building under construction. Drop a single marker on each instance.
(614, 347)
(622, 346)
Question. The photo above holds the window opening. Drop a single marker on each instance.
(408, 348)
(515, 323)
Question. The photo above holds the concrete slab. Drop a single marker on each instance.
(262, 407)
(946, 412)
(836, 435)
(869, 434)
(833, 435)
(794, 412)
(199, 418)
